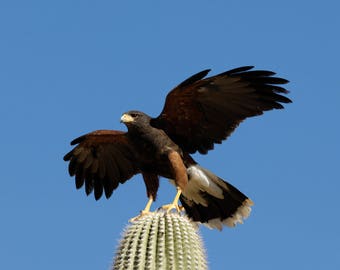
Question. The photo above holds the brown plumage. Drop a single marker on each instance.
(197, 114)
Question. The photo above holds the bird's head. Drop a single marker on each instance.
(135, 118)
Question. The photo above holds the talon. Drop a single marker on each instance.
(174, 204)
(143, 212)
(171, 206)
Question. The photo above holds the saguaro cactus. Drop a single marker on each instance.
(160, 240)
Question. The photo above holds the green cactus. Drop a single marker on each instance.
(160, 240)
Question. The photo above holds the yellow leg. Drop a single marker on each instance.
(174, 204)
(147, 206)
(145, 211)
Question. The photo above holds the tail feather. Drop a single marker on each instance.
(212, 201)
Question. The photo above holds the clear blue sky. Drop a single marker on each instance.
(70, 67)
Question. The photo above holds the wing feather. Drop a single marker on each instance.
(201, 112)
(101, 160)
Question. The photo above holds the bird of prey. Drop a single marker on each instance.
(197, 114)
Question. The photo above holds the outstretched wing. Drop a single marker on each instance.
(102, 159)
(201, 112)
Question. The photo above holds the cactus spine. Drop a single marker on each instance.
(160, 240)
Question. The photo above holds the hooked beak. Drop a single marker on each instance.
(126, 118)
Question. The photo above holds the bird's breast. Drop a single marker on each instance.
(152, 148)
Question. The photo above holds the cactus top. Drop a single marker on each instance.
(161, 240)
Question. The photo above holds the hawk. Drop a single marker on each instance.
(197, 114)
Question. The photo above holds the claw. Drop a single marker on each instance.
(143, 212)
(174, 204)
(171, 206)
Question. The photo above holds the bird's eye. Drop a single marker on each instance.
(133, 115)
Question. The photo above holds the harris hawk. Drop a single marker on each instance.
(197, 114)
